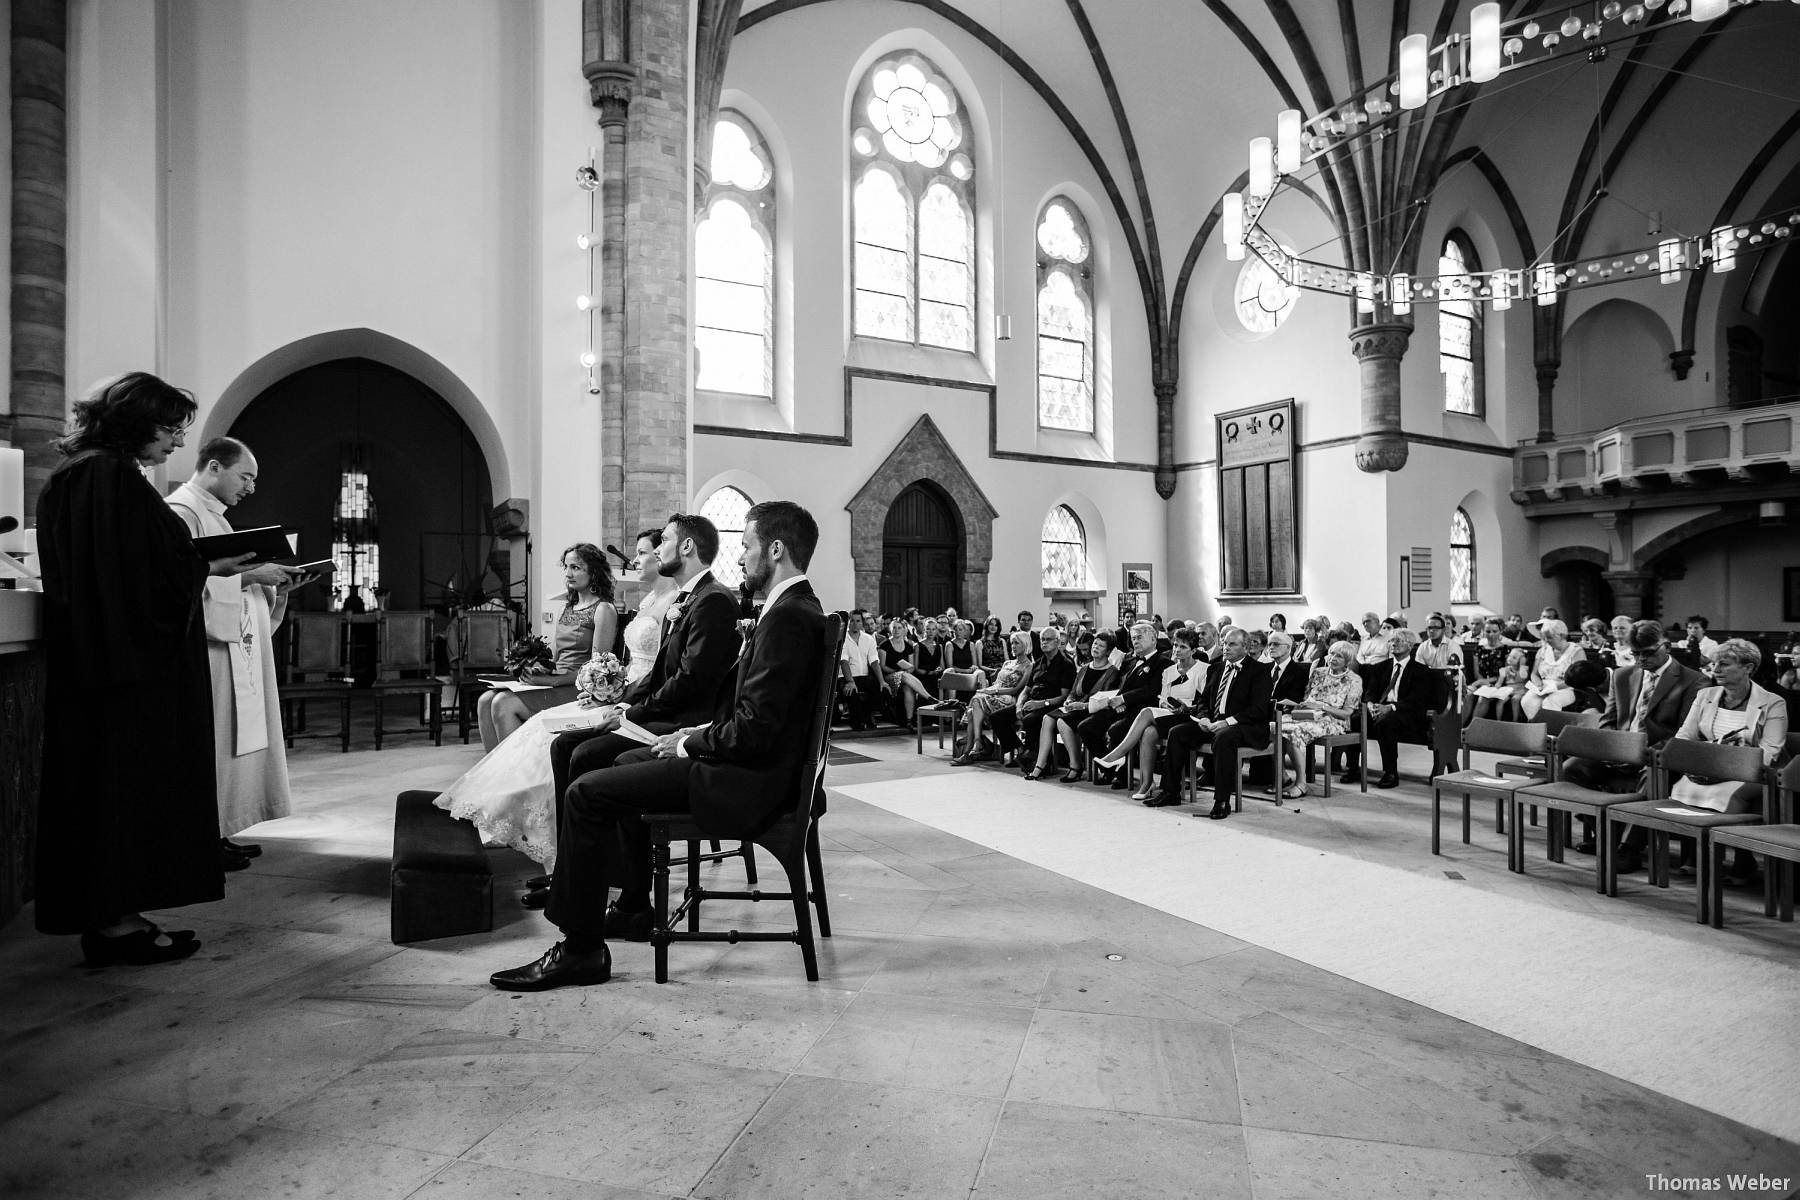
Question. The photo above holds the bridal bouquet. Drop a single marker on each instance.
(601, 679)
(529, 651)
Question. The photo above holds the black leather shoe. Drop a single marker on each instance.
(1220, 810)
(1388, 781)
(1586, 847)
(628, 926)
(247, 849)
(231, 860)
(1119, 782)
(1161, 800)
(534, 898)
(1352, 778)
(140, 949)
(1072, 777)
(557, 968)
(537, 883)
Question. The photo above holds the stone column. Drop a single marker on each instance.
(1633, 593)
(1165, 438)
(1546, 381)
(1379, 349)
(611, 82)
(40, 191)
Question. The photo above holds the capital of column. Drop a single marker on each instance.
(1378, 348)
(1681, 362)
(1165, 437)
(611, 86)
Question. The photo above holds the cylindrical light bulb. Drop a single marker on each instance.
(1287, 141)
(1262, 167)
(1544, 283)
(1669, 260)
(584, 302)
(588, 359)
(1484, 42)
(1415, 52)
(1706, 10)
(587, 241)
(1231, 225)
(1400, 295)
(1502, 291)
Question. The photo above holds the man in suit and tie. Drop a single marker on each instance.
(1140, 681)
(735, 774)
(1287, 688)
(1652, 697)
(1401, 692)
(699, 645)
(1231, 712)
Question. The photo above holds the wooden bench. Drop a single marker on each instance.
(442, 882)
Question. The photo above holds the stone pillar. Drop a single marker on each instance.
(1546, 381)
(1165, 439)
(611, 82)
(40, 191)
(1633, 594)
(1379, 349)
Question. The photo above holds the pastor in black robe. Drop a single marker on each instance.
(128, 817)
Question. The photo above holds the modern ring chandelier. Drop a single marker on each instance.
(1491, 48)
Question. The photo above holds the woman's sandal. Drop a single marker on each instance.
(1035, 773)
(1072, 777)
(140, 949)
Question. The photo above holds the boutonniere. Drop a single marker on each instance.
(675, 611)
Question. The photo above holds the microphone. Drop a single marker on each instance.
(8, 524)
(610, 549)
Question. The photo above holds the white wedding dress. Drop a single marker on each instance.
(510, 795)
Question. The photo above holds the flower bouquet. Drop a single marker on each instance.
(601, 679)
(529, 651)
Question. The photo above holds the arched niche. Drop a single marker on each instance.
(1615, 367)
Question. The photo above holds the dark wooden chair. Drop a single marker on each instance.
(405, 666)
(793, 841)
(1564, 800)
(480, 641)
(1487, 737)
(941, 717)
(1706, 760)
(314, 675)
(1779, 844)
(1357, 735)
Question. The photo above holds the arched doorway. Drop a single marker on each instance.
(921, 551)
(423, 466)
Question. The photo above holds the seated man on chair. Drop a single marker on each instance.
(1140, 680)
(1401, 692)
(735, 775)
(1232, 711)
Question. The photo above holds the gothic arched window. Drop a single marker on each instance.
(1064, 549)
(734, 265)
(1459, 330)
(725, 508)
(1263, 298)
(1065, 319)
(1462, 559)
(913, 208)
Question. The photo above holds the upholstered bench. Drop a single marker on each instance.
(442, 883)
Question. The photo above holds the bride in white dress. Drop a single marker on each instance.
(509, 794)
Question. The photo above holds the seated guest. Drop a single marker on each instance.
(993, 648)
(1016, 729)
(1596, 642)
(1401, 693)
(1277, 623)
(1140, 681)
(1258, 647)
(1620, 631)
(1697, 650)
(962, 661)
(1333, 691)
(1181, 682)
(1287, 684)
(1206, 643)
(1024, 626)
(928, 655)
(585, 627)
(1095, 674)
(1374, 646)
(1549, 613)
(899, 677)
(860, 684)
(1439, 651)
(733, 774)
(1233, 712)
(1587, 680)
(1789, 661)
(1310, 647)
(1497, 683)
(1552, 661)
(1009, 681)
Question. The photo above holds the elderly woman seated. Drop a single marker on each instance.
(1009, 681)
(1547, 688)
(1333, 691)
(1181, 683)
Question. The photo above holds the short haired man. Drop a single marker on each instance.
(1140, 681)
(1401, 692)
(1438, 651)
(860, 683)
(241, 613)
(1697, 650)
(733, 773)
(1231, 712)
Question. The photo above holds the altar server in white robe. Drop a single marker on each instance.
(241, 613)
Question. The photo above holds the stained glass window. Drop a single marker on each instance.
(1462, 559)
(725, 508)
(1459, 331)
(355, 536)
(1065, 324)
(1064, 549)
(734, 265)
(1264, 299)
(913, 267)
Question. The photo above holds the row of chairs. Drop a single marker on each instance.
(317, 671)
(1523, 785)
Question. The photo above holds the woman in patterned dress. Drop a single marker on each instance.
(1332, 691)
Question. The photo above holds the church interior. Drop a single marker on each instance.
(1102, 308)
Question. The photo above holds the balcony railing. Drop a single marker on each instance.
(1703, 447)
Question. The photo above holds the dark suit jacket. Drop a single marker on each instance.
(1247, 700)
(698, 650)
(1140, 681)
(1669, 704)
(1421, 687)
(758, 737)
(1292, 685)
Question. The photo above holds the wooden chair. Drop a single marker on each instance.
(793, 840)
(1488, 737)
(1564, 800)
(1779, 844)
(1274, 752)
(315, 673)
(1357, 735)
(404, 666)
(941, 717)
(1708, 760)
(481, 641)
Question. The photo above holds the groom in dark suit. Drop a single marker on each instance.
(734, 774)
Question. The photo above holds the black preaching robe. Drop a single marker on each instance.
(128, 820)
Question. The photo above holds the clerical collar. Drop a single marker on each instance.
(776, 591)
(210, 502)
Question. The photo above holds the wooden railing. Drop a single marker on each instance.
(1702, 447)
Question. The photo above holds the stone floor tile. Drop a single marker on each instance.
(1085, 979)
(977, 972)
(760, 1028)
(1042, 1150)
(1161, 1068)
(477, 1181)
(587, 1017)
(1299, 1166)
(97, 1148)
(826, 1139)
(909, 1042)
(652, 1122)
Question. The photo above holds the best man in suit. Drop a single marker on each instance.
(1402, 692)
(1140, 681)
(1232, 711)
(734, 774)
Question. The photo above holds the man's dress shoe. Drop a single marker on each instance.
(1162, 800)
(247, 849)
(1220, 810)
(1353, 778)
(534, 897)
(628, 926)
(1388, 781)
(231, 860)
(557, 968)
